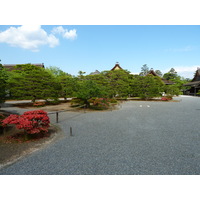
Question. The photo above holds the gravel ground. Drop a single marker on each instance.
(140, 138)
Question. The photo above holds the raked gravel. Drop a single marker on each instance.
(140, 138)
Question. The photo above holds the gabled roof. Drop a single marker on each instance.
(94, 73)
(10, 67)
(153, 73)
(166, 82)
(196, 80)
(116, 67)
(196, 75)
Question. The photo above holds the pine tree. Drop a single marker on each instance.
(3, 83)
(33, 82)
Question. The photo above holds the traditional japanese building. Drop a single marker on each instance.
(96, 72)
(194, 84)
(166, 82)
(116, 67)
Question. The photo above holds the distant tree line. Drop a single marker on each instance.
(33, 82)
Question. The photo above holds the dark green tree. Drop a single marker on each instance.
(69, 85)
(147, 87)
(178, 81)
(33, 82)
(3, 83)
(118, 83)
(171, 90)
(87, 90)
(172, 74)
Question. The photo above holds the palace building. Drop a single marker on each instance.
(194, 84)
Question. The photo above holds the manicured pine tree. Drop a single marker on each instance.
(69, 83)
(33, 82)
(147, 87)
(3, 83)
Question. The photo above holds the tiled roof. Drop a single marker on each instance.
(192, 83)
(196, 80)
(197, 75)
(166, 82)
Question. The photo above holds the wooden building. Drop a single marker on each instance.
(116, 67)
(194, 84)
(166, 82)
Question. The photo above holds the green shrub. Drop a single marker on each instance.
(101, 103)
(55, 101)
(2, 117)
(113, 101)
(77, 102)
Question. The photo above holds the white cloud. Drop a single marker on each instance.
(29, 37)
(68, 34)
(185, 71)
(183, 49)
(58, 29)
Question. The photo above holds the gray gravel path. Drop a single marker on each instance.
(140, 138)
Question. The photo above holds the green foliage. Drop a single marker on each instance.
(2, 117)
(171, 75)
(55, 71)
(77, 102)
(87, 90)
(177, 80)
(112, 83)
(147, 87)
(99, 103)
(172, 90)
(69, 85)
(3, 83)
(118, 83)
(32, 82)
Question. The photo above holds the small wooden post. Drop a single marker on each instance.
(71, 131)
(56, 117)
(85, 108)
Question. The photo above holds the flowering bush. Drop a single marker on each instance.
(39, 104)
(101, 103)
(32, 122)
(167, 98)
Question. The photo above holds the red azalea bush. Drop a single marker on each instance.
(32, 122)
(166, 98)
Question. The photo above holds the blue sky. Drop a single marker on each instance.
(98, 47)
